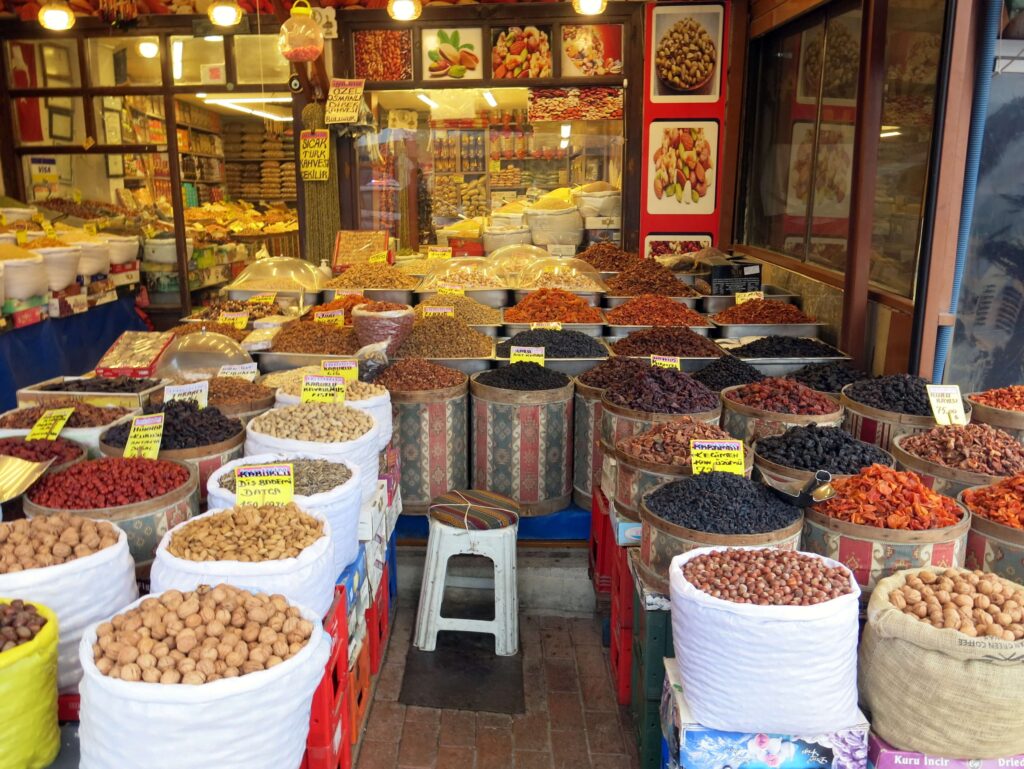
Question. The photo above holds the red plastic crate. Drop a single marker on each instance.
(329, 716)
(359, 690)
(601, 535)
(378, 619)
(620, 661)
(68, 706)
(622, 589)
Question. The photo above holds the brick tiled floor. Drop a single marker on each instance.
(571, 721)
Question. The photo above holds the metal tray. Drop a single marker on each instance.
(783, 366)
(492, 297)
(567, 366)
(286, 299)
(713, 304)
(686, 365)
(618, 332)
(593, 298)
(283, 361)
(689, 278)
(465, 365)
(330, 294)
(615, 301)
(396, 295)
(736, 330)
(590, 329)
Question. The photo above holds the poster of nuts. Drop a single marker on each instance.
(383, 55)
(686, 60)
(682, 167)
(674, 245)
(591, 50)
(830, 168)
(562, 104)
(842, 60)
(452, 54)
(520, 53)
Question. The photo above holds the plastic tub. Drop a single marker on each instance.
(123, 248)
(564, 227)
(24, 278)
(164, 250)
(61, 265)
(95, 258)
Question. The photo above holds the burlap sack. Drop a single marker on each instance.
(939, 691)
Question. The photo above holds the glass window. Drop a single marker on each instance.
(197, 60)
(257, 60)
(49, 120)
(43, 64)
(127, 61)
(129, 120)
(130, 181)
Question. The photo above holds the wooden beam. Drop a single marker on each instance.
(767, 15)
(739, 42)
(174, 163)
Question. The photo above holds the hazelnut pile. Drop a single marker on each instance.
(20, 622)
(972, 602)
(766, 577)
(200, 636)
(51, 540)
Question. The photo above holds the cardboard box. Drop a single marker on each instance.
(377, 555)
(699, 747)
(13, 306)
(882, 755)
(372, 512)
(357, 591)
(394, 510)
(627, 532)
(126, 278)
(28, 316)
(729, 276)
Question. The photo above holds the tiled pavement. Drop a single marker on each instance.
(572, 720)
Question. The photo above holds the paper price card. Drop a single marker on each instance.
(446, 310)
(49, 425)
(721, 456)
(381, 257)
(48, 229)
(561, 250)
(237, 319)
(552, 325)
(197, 392)
(665, 361)
(346, 368)
(451, 291)
(263, 298)
(334, 317)
(20, 237)
(265, 484)
(91, 227)
(3, 220)
(526, 355)
(145, 436)
(323, 389)
(438, 252)
(746, 296)
(947, 404)
(315, 155)
(343, 101)
(245, 371)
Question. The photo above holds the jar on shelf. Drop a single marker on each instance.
(300, 38)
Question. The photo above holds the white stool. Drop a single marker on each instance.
(470, 525)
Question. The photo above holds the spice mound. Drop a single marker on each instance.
(108, 482)
(646, 276)
(613, 370)
(186, 426)
(416, 374)
(314, 422)
(827, 377)
(120, 384)
(727, 371)
(768, 577)
(668, 443)
(783, 396)
(467, 310)
(1001, 502)
(977, 448)
(776, 346)
(312, 476)
(247, 533)
(889, 499)
(662, 391)
(654, 310)
(721, 503)
(675, 341)
(552, 304)
(312, 337)
(607, 257)
(1008, 398)
(84, 415)
(51, 540)
(344, 302)
(256, 632)
(975, 603)
(556, 344)
(439, 336)
(816, 448)
(20, 622)
(60, 450)
(758, 311)
(373, 276)
(210, 327)
(523, 376)
(902, 393)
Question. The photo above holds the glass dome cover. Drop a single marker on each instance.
(508, 262)
(194, 357)
(469, 273)
(278, 273)
(567, 274)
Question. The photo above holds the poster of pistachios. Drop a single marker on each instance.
(452, 54)
(686, 55)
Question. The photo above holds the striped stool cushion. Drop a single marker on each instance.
(486, 510)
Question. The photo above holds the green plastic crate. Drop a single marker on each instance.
(647, 724)
(652, 642)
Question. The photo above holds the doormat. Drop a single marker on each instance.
(463, 673)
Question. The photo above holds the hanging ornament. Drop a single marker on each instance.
(300, 38)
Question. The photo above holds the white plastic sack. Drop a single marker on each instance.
(87, 436)
(361, 452)
(306, 580)
(562, 227)
(256, 721)
(80, 592)
(774, 669)
(378, 407)
(340, 505)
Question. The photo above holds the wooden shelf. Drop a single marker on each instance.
(202, 155)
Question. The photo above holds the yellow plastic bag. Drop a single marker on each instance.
(29, 734)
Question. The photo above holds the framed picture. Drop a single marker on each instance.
(115, 166)
(833, 176)
(452, 54)
(60, 103)
(591, 50)
(682, 167)
(62, 125)
(521, 53)
(674, 244)
(56, 65)
(686, 63)
(112, 127)
(113, 103)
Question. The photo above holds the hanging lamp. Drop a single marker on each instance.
(589, 7)
(56, 15)
(224, 13)
(404, 10)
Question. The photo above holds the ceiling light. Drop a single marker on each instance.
(224, 13)
(233, 104)
(566, 130)
(888, 134)
(249, 99)
(427, 100)
(149, 49)
(213, 38)
(489, 98)
(589, 7)
(56, 15)
(563, 144)
(404, 10)
(177, 54)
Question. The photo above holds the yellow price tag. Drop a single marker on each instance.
(48, 229)
(439, 252)
(551, 325)
(717, 456)
(76, 195)
(440, 311)
(149, 231)
(323, 389)
(947, 404)
(38, 218)
(346, 368)
(145, 436)
(747, 296)
(381, 257)
(450, 291)
(263, 298)
(272, 484)
(526, 355)
(237, 319)
(49, 425)
(333, 317)
(3, 220)
(91, 228)
(20, 237)
(665, 361)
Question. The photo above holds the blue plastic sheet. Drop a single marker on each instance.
(572, 523)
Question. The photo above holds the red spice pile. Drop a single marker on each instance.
(763, 311)
(783, 396)
(654, 310)
(552, 304)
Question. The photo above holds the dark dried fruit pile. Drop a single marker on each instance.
(676, 341)
(828, 377)
(662, 391)
(816, 448)
(613, 370)
(902, 393)
(727, 371)
(646, 276)
(523, 376)
(775, 346)
(721, 503)
(783, 396)
(186, 426)
(556, 344)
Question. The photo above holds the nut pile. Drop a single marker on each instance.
(467, 310)
(373, 276)
(783, 396)
(977, 448)
(470, 276)
(669, 442)
(120, 384)
(816, 448)
(654, 310)
(570, 280)
(317, 422)
(186, 426)
(440, 336)
(523, 376)
(51, 540)
(210, 327)
(85, 415)
(775, 346)
(382, 307)
(975, 603)
(677, 341)
(247, 533)
(889, 499)
(311, 337)
(662, 391)
(828, 377)
(902, 393)
(758, 311)
(727, 371)
(290, 383)
(235, 391)
(1001, 502)
(256, 310)
(556, 344)
(311, 476)
(607, 257)
(107, 482)
(721, 503)
(767, 577)
(60, 450)
(20, 622)
(646, 276)
(552, 304)
(608, 372)
(200, 636)
(414, 374)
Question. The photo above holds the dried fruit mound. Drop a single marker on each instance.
(889, 499)
(608, 257)
(763, 311)
(783, 396)
(648, 277)
(669, 442)
(613, 370)
(977, 448)
(1002, 502)
(1009, 398)
(552, 304)
(654, 310)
